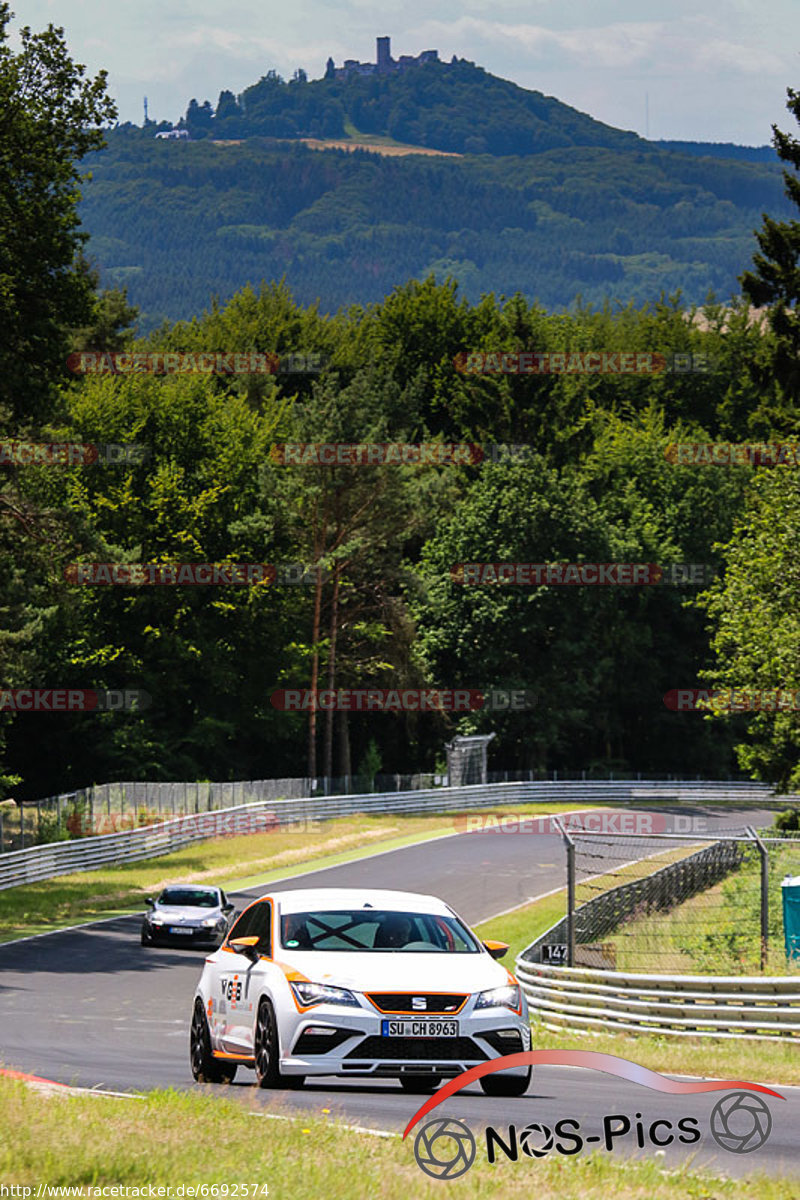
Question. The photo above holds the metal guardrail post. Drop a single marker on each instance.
(570, 845)
(762, 853)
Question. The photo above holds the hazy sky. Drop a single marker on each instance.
(716, 72)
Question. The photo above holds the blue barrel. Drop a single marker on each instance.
(791, 915)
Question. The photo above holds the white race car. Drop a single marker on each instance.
(361, 982)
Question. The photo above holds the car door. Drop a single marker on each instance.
(237, 981)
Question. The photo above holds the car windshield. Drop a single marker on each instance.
(189, 898)
(375, 929)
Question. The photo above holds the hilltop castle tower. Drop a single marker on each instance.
(384, 63)
(384, 53)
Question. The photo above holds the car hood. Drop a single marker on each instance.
(398, 972)
(174, 912)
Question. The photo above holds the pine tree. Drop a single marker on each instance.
(775, 282)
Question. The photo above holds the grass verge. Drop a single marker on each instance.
(172, 1138)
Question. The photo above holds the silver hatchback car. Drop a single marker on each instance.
(184, 915)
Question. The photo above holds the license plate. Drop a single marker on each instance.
(182, 932)
(420, 1029)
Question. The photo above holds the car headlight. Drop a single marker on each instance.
(322, 993)
(210, 922)
(500, 997)
(156, 920)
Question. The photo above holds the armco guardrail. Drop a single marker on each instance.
(85, 854)
(579, 998)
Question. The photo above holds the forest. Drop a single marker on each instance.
(380, 605)
(178, 223)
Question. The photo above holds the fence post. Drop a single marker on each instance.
(570, 845)
(762, 852)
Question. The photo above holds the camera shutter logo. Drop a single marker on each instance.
(740, 1122)
(536, 1140)
(444, 1148)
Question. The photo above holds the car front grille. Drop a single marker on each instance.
(457, 1049)
(435, 1002)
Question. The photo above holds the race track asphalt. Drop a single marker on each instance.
(92, 1007)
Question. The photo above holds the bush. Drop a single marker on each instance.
(49, 829)
(788, 820)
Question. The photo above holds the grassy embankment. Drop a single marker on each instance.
(232, 861)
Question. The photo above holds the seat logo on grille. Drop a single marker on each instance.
(418, 1004)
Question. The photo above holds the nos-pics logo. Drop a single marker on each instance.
(445, 1148)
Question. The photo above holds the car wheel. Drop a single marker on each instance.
(419, 1083)
(145, 938)
(266, 1047)
(293, 1081)
(505, 1085)
(206, 1068)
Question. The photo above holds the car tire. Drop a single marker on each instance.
(265, 1047)
(293, 1081)
(419, 1083)
(206, 1068)
(145, 938)
(505, 1085)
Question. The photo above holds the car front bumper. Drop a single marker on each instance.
(356, 1045)
(197, 936)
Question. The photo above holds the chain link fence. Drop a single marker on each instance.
(115, 807)
(670, 903)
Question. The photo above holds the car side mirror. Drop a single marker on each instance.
(228, 908)
(149, 901)
(496, 949)
(246, 946)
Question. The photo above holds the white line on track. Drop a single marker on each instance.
(70, 928)
(386, 1133)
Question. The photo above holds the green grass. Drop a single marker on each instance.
(191, 1138)
(520, 927)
